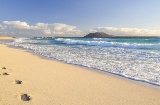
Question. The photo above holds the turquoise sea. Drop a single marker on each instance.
(136, 58)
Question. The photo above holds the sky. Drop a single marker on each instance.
(79, 17)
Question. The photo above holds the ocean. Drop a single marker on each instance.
(136, 58)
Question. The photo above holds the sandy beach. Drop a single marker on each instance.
(6, 37)
(49, 82)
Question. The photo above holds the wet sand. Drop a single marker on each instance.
(47, 82)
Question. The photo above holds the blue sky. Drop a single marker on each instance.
(122, 17)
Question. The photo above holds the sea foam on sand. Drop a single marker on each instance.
(49, 82)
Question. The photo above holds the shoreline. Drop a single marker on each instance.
(50, 81)
(155, 86)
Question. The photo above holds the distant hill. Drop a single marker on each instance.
(98, 35)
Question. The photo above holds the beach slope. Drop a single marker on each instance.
(49, 82)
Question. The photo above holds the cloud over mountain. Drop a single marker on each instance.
(126, 31)
(18, 28)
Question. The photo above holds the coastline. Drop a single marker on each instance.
(141, 82)
(53, 82)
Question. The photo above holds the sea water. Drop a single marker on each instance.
(134, 58)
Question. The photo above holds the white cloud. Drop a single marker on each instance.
(39, 29)
(18, 28)
(1, 26)
(126, 31)
(58, 28)
(18, 25)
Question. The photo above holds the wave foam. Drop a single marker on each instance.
(143, 65)
(109, 44)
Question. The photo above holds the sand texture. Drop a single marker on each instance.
(5, 37)
(33, 80)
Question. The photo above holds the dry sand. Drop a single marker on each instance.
(5, 37)
(49, 82)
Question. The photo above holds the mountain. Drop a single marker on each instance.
(98, 35)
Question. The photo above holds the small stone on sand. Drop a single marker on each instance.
(25, 97)
(5, 74)
(3, 67)
(18, 82)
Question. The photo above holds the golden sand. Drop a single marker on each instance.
(5, 37)
(49, 82)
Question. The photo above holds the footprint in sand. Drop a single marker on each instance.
(18, 82)
(4, 68)
(25, 97)
(5, 73)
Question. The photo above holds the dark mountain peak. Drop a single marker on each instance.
(97, 35)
